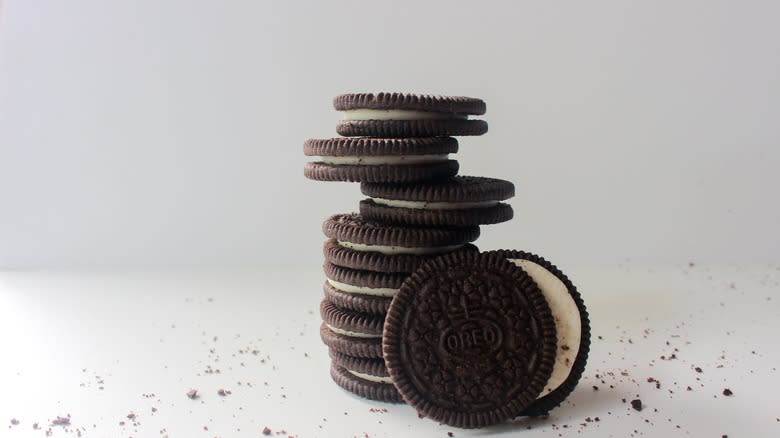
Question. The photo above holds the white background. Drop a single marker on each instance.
(170, 133)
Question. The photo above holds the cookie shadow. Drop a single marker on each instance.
(583, 402)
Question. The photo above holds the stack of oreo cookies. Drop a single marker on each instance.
(412, 311)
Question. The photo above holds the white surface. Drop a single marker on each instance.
(144, 132)
(67, 334)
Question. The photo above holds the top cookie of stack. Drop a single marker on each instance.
(394, 138)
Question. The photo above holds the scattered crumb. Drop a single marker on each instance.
(193, 394)
(223, 392)
(636, 404)
(727, 392)
(14, 422)
(61, 421)
(266, 431)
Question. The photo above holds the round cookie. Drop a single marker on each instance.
(384, 392)
(380, 284)
(381, 159)
(572, 328)
(378, 261)
(374, 369)
(350, 345)
(361, 234)
(408, 115)
(349, 323)
(356, 302)
(469, 340)
(458, 201)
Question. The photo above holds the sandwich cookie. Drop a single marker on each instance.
(352, 333)
(458, 201)
(384, 392)
(572, 327)
(408, 115)
(374, 246)
(469, 340)
(381, 159)
(367, 378)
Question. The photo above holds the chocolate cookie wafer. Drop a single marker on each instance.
(378, 261)
(381, 159)
(458, 201)
(572, 328)
(469, 340)
(357, 302)
(408, 115)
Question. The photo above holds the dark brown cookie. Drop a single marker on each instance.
(351, 323)
(469, 340)
(410, 128)
(384, 392)
(363, 279)
(408, 115)
(356, 302)
(377, 261)
(381, 159)
(349, 345)
(457, 201)
(353, 228)
(568, 314)
(407, 101)
(372, 367)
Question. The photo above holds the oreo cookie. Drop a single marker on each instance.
(408, 115)
(379, 261)
(363, 387)
(356, 302)
(380, 284)
(351, 345)
(357, 243)
(458, 201)
(572, 328)
(349, 323)
(469, 340)
(381, 159)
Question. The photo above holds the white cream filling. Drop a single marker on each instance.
(398, 114)
(352, 334)
(393, 250)
(424, 205)
(567, 321)
(386, 159)
(370, 377)
(352, 289)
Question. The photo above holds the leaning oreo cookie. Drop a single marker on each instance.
(408, 115)
(381, 159)
(572, 327)
(458, 201)
(469, 340)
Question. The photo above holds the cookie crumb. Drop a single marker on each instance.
(450, 434)
(14, 422)
(266, 431)
(636, 404)
(61, 421)
(193, 394)
(727, 392)
(223, 392)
